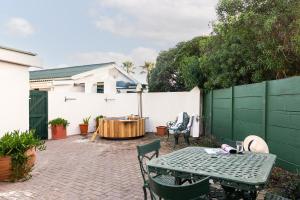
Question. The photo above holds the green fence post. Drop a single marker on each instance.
(232, 113)
(265, 109)
(211, 111)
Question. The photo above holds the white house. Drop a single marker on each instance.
(96, 78)
(14, 88)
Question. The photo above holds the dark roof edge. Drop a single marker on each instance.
(73, 66)
(18, 51)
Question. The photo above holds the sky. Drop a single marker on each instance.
(75, 32)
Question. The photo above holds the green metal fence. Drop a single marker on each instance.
(269, 109)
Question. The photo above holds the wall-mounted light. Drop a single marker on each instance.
(106, 99)
(69, 99)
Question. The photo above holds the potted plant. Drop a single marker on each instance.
(97, 120)
(85, 126)
(58, 128)
(18, 154)
(161, 130)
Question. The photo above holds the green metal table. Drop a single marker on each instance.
(247, 171)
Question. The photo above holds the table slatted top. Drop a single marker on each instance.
(247, 168)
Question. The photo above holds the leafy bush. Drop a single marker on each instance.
(15, 144)
(59, 121)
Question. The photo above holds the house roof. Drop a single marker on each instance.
(64, 72)
(18, 51)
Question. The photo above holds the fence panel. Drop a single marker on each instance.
(283, 123)
(221, 112)
(269, 109)
(248, 111)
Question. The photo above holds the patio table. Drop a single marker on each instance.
(247, 171)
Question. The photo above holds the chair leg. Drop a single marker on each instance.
(168, 134)
(176, 136)
(145, 193)
(187, 140)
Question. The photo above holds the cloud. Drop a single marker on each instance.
(138, 56)
(19, 27)
(155, 20)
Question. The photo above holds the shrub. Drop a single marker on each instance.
(15, 144)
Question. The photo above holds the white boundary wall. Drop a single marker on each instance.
(159, 108)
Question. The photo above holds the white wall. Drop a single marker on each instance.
(14, 100)
(158, 107)
(162, 107)
(17, 57)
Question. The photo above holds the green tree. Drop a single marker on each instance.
(128, 67)
(147, 68)
(254, 40)
(178, 69)
(166, 76)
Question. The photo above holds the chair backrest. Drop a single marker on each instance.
(182, 121)
(179, 192)
(147, 152)
(190, 124)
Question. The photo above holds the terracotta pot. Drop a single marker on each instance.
(58, 132)
(84, 129)
(6, 166)
(161, 130)
(31, 154)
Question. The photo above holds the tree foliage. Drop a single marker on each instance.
(147, 68)
(252, 41)
(177, 69)
(128, 67)
(255, 40)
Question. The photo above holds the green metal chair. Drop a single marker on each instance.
(147, 152)
(197, 190)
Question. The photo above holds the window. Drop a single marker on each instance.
(100, 87)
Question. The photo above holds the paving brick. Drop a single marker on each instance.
(75, 168)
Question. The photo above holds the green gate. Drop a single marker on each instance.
(38, 113)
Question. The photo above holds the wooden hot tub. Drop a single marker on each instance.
(121, 127)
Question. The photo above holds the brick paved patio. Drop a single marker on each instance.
(75, 168)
